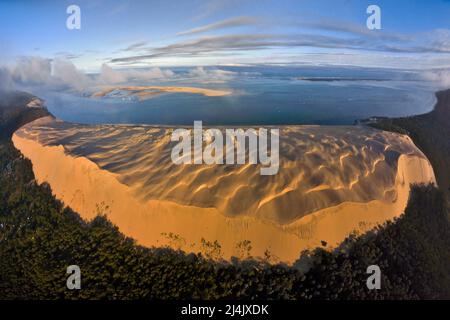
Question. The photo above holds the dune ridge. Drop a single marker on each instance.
(332, 181)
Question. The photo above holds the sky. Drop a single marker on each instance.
(154, 33)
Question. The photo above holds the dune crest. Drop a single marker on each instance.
(332, 181)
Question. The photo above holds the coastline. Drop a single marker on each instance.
(431, 133)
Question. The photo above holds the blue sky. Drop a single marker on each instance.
(415, 33)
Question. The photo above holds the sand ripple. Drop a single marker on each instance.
(342, 173)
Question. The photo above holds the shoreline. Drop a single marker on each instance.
(431, 133)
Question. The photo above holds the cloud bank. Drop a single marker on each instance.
(339, 36)
(6, 82)
(227, 23)
(440, 77)
(63, 74)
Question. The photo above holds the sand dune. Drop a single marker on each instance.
(146, 92)
(332, 181)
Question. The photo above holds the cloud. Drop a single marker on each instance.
(351, 28)
(47, 72)
(108, 75)
(232, 22)
(65, 71)
(67, 55)
(6, 82)
(118, 9)
(321, 34)
(439, 77)
(34, 70)
(210, 75)
(425, 43)
(135, 46)
(439, 39)
(241, 42)
(60, 73)
(111, 76)
(211, 7)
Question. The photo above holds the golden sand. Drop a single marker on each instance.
(146, 92)
(325, 188)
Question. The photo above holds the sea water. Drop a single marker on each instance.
(260, 95)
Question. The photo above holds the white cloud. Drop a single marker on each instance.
(65, 71)
(440, 77)
(61, 72)
(227, 23)
(6, 82)
(35, 70)
(108, 75)
(200, 73)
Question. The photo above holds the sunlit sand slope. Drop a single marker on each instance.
(332, 180)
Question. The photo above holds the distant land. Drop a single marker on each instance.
(339, 79)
